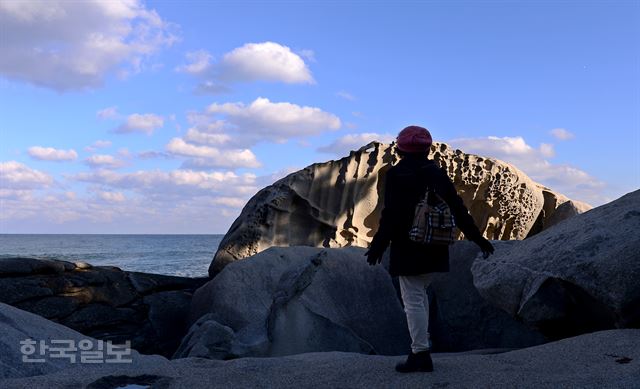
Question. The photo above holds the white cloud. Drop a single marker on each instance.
(342, 146)
(307, 54)
(73, 45)
(51, 154)
(231, 202)
(205, 138)
(146, 123)
(547, 150)
(104, 161)
(108, 113)
(182, 183)
(99, 144)
(112, 197)
(266, 120)
(210, 88)
(345, 95)
(562, 134)
(15, 175)
(206, 156)
(199, 63)
(568, 180)
(267, 61)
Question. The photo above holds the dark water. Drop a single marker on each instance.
(183, 255)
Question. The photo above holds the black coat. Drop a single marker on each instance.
(406, 184)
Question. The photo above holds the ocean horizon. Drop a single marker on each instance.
(187, 255)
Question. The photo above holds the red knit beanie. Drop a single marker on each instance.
(414, 139)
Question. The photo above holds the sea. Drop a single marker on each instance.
(176, 255)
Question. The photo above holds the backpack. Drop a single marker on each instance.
(433, 224)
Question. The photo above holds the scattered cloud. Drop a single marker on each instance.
(307, 54)
(547, 150)
(210, 88)
(206, 156)
(17, 176)
(108, 113)
(51, 154)
(568, 180)
(112, 197)
(345, 95)
(180, 183)
(231, 202)
(74, 45)
(562, 134)
(150, 154)
(146, 123)
(266, 120)
(99, 144)
(104, 161)
(198, 63)
(206, 138)
(266, 61)
(342, 146)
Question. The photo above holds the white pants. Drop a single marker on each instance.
(416, 306)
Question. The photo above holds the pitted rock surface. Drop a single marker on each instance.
(338, 203)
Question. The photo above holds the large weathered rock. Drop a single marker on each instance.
(580, 275)
(337, 203)
(107, 303)
(460, 319)
(290, 300)
(299, 299)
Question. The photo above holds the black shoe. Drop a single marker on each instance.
(416, 362)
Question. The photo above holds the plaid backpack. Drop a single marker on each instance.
(433, 224)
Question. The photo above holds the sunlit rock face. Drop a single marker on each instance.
(338, 203)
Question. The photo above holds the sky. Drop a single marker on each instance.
(128, 116)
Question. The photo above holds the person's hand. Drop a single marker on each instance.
(486, 247)
(373, 257)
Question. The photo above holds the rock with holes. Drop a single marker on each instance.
(581, 275)
(295, 300)
(338, 203)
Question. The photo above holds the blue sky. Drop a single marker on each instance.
(165, 117)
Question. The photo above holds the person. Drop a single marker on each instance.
(415, 263)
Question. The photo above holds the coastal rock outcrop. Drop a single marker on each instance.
(338, 203)
(294, 300)
(461, 319)
(18, 326)
(580, 275)
(103, 302)
(290, 300)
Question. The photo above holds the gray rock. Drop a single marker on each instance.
(168, 313)
(206, 339)
(461, 319)
(580, 275)
(104, 302)
(608, 359)
(338, 203)
(17, 325)
(300, 299)
(15, 290)
(33, 266)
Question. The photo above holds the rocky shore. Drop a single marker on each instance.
(560, 308)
